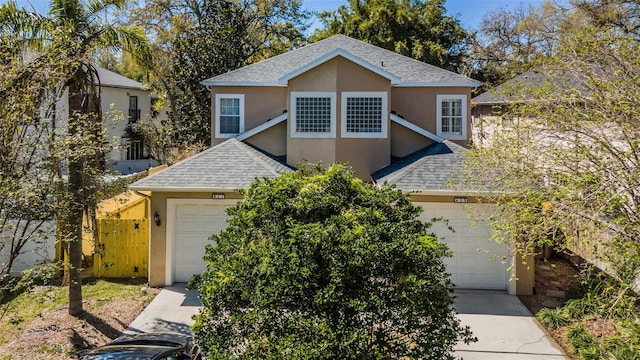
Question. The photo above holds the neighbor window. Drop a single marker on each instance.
(134, 112)
(364, 114)
(135, 149)
(452, 116)
(313, 114)
(229, 115)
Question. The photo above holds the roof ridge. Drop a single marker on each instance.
(274, 57)
(398, 54)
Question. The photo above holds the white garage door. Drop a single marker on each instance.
(478, 261)
(194, 224)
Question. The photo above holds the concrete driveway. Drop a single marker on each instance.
(170, 311)
(504, 327)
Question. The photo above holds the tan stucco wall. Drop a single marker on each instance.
(299, 151)
(364, 155)
(418, 105)
(261, 103)
(405, 141)
(272, 140)
(115, 109)
(158, 234)
(525, 273)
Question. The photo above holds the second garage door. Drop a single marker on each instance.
(478, 262)
(194, 224)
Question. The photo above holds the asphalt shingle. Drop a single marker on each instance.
(437, 167)
(409, 71)
(111, 79)
(229, 165)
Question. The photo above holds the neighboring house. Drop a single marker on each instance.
(392, 118)
(490, 110)
(123, 102)
(492, 114)
(39, 247)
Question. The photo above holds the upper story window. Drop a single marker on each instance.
(313, 114)
(452, 117)
(229, 115)
(364, 114)
(134, 112)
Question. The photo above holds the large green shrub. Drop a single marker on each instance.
(317, 264)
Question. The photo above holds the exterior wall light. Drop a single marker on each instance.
(156, 218)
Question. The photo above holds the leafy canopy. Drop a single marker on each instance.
(414, 28)
(196, 40)
(572, 154)
(317, 264)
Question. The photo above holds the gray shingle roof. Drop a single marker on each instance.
(408, 71)
(111, 79)
(523, 87)
(228, 166)
(437, 167)
(508, 92)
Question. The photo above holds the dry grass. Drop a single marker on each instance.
(36, 325)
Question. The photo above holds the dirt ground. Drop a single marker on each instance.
(57, 335)
(568, 276)
(565, 273)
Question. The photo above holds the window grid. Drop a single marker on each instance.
(313, 114)
(364, 114)
(229, 116)
(451, 116)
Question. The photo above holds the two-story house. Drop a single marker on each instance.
(391, 118)
(123, 102)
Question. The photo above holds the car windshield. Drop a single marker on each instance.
(127, 352)
(165, 343)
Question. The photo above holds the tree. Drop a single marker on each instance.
(27, 178)
(317, 264)
(81, 28)
(415, 28)
(196, 40)
(510, 43)
(571, 163)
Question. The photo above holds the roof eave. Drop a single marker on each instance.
(141, 87)
(333, 54)
(469, 83)
(444, 192)
(242, 83)
(262, 127)
(181, 189)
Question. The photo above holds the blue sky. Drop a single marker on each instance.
(469, 12)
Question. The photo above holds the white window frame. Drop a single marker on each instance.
(343, 114)
(311, 94)
(218, 97)
(463, 126)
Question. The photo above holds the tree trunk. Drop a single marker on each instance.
(85, 164)
(74, 224)
(73, 221)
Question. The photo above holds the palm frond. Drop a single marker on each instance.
(27, 28)
(129, 39)
(70, 10)
(94, 7)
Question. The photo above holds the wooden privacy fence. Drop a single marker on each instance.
(122, 248)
